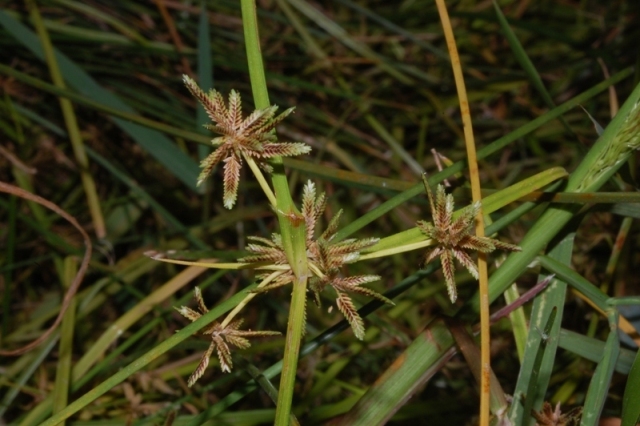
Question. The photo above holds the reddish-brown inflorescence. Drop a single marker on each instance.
(453, 237)
(325, 258)
(252, 137)
(221, 337)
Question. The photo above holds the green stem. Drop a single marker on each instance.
(261, 180)
(292, 225)
(295, 327)
(247, 299)
(254, 55)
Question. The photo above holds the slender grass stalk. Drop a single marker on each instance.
(474, 176)
(261, 180)
(247, 299)
(72, 125)
(292, 225)
(63, 370)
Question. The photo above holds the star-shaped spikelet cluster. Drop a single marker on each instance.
(252, 137)
(548, 416)
(325, 258)
(453, 237)
(221, 337)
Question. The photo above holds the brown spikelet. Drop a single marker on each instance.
(284, 149)
(325, 257)
(232, 166)
(453, 237)
(221, 337)
(548, 416)
(253, 137)
(210, 162)
(353, 284)
(202, 366)
(345, 304)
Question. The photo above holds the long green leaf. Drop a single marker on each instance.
(521, 56)
(537, 365)
(158, 145)
(630, 406)
(593, 349)
(599, 386)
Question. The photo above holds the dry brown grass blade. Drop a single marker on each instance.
(474, 177)
(19, 192)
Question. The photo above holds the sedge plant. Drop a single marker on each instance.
(310, 263)
(311, 255)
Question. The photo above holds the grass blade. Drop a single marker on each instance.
(593, 350)
(158, 145)
(599, 386)
(539, 356)
(521, 56)
(63, 370)
(630, 406)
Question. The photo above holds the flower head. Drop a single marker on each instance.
(325, 258)
(221, 337)
(453, 237)
(249, 138)
(548, 416)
